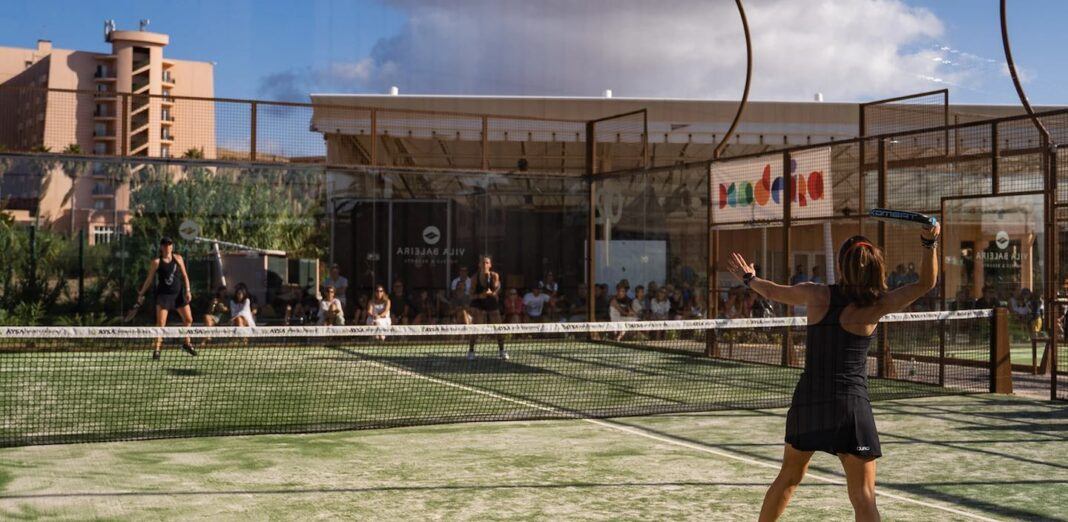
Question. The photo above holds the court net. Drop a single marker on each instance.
(79, 384)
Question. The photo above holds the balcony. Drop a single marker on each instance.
(166, 119)
(103, 190)
(103, 114)
(166, 136)
(103, 134)
(138, 85)
(139, 64)
(168, 78)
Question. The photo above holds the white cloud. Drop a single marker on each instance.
(846, 49)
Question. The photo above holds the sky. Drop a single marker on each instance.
(848, 50)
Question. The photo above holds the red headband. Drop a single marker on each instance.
(859, 244)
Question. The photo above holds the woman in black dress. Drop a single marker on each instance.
(171, 291)
(486, 303)
(830, 411)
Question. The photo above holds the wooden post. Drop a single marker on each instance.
(1053, 262)
(1000, 364)
(591, 222)
(788, 358)
(711, 275)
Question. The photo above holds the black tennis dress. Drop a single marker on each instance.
(487, 304)
(170, 286)
(830, 410)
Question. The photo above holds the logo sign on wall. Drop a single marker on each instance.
(753, 190)
(1002, 239)
(431, 235)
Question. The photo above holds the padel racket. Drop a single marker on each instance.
(903, 217)
(132, 313)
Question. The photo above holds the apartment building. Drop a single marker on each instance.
(118, 102)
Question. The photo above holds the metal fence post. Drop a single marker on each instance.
(81, 271)
(591, 222)
(374, 137)
(252, 131)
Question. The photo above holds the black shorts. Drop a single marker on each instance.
(843, 424)
(171, 301)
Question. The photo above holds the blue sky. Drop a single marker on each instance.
(851, 50)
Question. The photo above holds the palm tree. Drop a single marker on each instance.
(72, 169)
(194, 153)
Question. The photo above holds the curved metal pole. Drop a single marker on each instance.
(748, 80)
(1016, 78)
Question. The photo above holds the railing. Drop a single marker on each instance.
(283, 132)
(103, 189)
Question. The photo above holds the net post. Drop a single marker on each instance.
(1000, 364)
(712, 344)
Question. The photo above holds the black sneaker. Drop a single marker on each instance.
(187, 347)
(155, 355)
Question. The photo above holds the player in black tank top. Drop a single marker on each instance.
(486, 303)
(167, 275)
(830, 411)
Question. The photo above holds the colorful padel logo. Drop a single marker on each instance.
(807, 188)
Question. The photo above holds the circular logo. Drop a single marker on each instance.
(1002, 239)
(189, 230)
(431, 235)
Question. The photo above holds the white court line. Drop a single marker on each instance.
(667, 440)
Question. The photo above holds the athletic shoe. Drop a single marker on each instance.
(187, 347)
(503, 355)
(155, 355)
(470, 355)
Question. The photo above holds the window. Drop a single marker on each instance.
(100, 148)
(165, 151)
(101, 110)
(100, 130)
(103, 234)
(102, 87)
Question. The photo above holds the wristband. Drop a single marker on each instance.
(748, 278)
(928, 243)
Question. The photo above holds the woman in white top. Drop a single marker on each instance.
(241, 307)
(378, 310)
(660, 306)
(638, 304)
(331, 312)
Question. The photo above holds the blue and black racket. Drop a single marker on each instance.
(903, 217)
